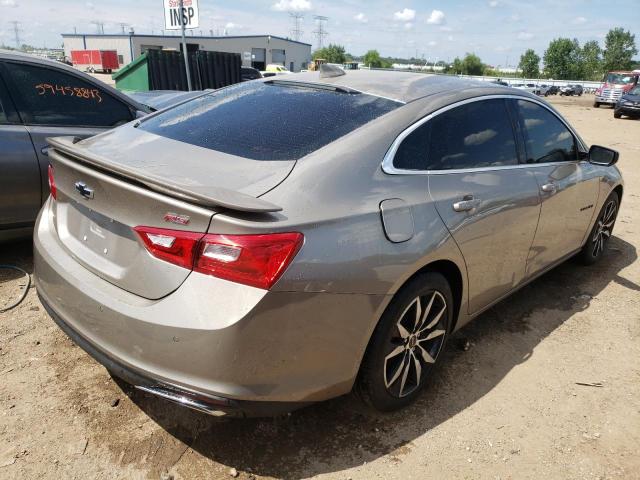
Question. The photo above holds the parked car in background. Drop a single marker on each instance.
(277, 69)
(499, 82)
(41, 98)
(553, 90)
(615, 84)
(629, 104)
(543, 89)
(529, 87)
(282, 241)
(571, 90)
(248, 73)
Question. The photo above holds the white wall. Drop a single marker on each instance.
(298, 53)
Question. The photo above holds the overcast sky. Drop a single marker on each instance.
(497, 30)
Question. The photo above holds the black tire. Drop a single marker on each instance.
(382, 382)
(602, 230)
(617, 114)
(596, 105)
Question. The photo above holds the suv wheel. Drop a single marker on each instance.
(407, 343)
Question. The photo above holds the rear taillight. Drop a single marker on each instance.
(172, 246)
(52, 183)
(256, 260)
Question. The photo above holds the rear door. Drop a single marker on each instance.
(53, 102)
(568, 188)
(19, 172)
(487, 201)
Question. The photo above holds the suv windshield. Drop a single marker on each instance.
(619, 78)
(270, 120)
(635, 90)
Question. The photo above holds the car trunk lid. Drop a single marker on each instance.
(100, 201)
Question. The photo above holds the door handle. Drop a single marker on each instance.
(549, 188)
(467, 203)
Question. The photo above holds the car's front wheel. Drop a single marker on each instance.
(601, 231)
(617, 114)
(407, 343)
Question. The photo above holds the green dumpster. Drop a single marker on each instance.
(135, 76)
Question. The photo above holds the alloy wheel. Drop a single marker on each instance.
(421, 331)
(604, 227)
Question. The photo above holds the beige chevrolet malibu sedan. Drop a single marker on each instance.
(287, 240)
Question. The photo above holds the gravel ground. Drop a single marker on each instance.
(511, 406)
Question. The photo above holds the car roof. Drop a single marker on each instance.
(22, 57)
(401, 86)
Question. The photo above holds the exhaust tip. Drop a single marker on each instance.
(187, 399)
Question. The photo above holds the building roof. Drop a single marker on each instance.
(201, 37)
(396, 85)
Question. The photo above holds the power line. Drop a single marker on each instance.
(296, 32)
(320, 31)
(16, 32)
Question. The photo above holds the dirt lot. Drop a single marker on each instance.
(509, 407)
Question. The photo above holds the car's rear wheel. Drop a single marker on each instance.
(617, 114)
(596, 104)
(407, 343)
(601, 231)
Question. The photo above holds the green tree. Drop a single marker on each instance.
(530, 64)
(373, 59)
(472, 65)
(619, 49)
(563, 59)
(592, 60)
(333, 53)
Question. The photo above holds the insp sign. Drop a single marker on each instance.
(172, 14)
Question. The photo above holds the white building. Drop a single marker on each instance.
(256, 50)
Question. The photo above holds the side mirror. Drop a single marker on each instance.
(602, 156)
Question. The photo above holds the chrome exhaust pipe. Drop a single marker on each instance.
(183, 399)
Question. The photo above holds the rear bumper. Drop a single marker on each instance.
(209, 404)
(236, 348)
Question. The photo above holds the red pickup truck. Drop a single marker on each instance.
(615, 84)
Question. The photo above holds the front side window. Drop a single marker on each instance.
(46, 96)
(547, 139)
(3, 116)
(475, 135)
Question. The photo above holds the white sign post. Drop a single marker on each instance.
(180, 15)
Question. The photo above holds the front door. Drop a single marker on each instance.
(568, 189)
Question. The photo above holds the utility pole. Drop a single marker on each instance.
(296, 32)
(184, 45)
(99, 26)
(122, 26)
(320, 30)
(16, 32)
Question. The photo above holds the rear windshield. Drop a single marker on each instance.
(265, 121)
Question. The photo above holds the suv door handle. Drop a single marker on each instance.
(467, 203)
(549, 188)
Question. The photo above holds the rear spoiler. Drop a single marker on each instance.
(212, 197)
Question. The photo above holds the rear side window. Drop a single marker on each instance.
(475, 135)
(46, 96)
(547, 138)
(264, 121)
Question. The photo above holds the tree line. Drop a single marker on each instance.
(564, 59)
